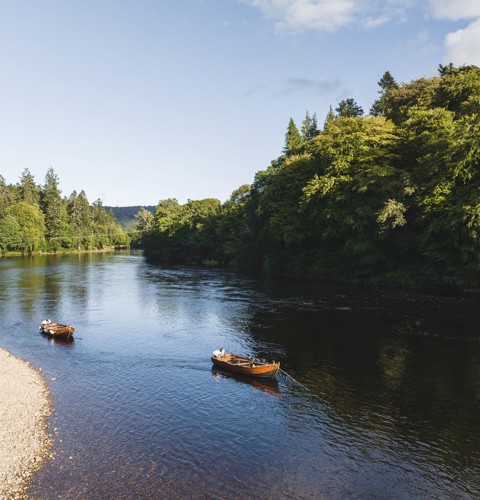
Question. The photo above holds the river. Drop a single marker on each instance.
(384, 399)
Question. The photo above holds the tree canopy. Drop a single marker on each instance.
(35, 218)
(392, 195)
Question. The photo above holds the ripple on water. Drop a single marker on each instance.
(388, 411)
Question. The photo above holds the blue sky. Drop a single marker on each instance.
(135, 101)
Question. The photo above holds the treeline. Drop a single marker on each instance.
(36, 218)
(394, 194)
(126, 216)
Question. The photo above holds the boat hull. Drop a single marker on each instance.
(246, 366)
(57, 331)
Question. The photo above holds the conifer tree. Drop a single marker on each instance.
(314, 130)
(80, 218)
(293, 139)
(309, 127)
(329, 118)
(27, 188)
(387, 83)
(7, 196)
(348, 108)
(306, 124)
(52, 204)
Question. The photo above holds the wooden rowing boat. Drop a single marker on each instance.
(56, 330)
(244, 366)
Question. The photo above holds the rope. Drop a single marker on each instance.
(290, 377)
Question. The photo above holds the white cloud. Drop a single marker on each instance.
(330, 15)
(373, 22)
(324, 15)
(454, 10)
(463, 46)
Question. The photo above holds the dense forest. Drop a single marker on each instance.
(392, 195)
(126, 216)
(37, 218)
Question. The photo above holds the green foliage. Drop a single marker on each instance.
(144, 220)
(280, 201)
(459, 89)
(396, 193)
(127, 216)
(105, 228)
(387, 83)
(27, 189)
(293, 139)
(348, 108)
(8, 195)
(310, 127)
(399, 101)
(36, 219)
(80, 219)
(30, 222)
(52, 207)
(10, 234)
(392, 215)
(184, 233)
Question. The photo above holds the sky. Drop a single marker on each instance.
(136, 101)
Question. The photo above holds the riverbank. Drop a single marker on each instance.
(24, 411)
(66, 251)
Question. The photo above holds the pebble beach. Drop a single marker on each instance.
(24, 411)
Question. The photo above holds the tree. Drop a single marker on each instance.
(7, 195)
(166, 214)
(31, 225)
(28, 190)
(80, 219)
(340, 203)
(293, 139)
(105, 228)
(52, 205)
(330, 118)
(387, 83)
(445, 70)
(184, 233)
(144, 220)
(10, 234)
(419, 93)
(437, 146)
(459, 90)
(309, 127)
(348, 108)
(390, 195)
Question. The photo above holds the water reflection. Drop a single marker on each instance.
(66, 341)
(266, 385)
(391, 405)
(405, 391)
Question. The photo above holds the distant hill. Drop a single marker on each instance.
(126, 215)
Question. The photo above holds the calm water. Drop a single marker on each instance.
(390, 408)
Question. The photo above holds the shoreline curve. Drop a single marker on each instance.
(25, 407)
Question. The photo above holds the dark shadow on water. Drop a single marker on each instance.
(66, 341)
(269, 385)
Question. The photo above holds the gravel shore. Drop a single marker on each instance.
(24, 411)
